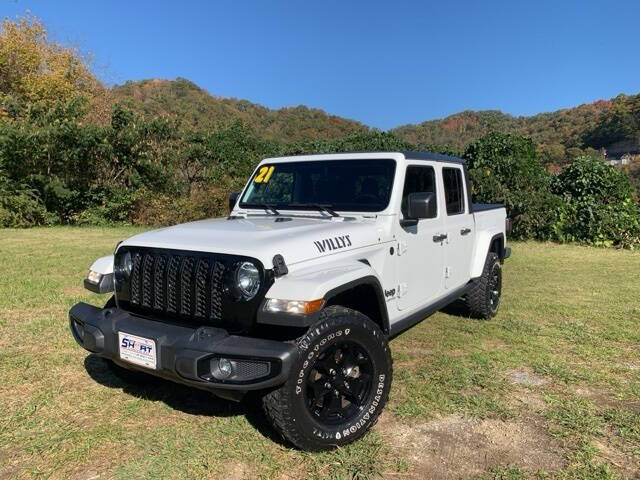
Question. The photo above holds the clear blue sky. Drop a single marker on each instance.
(384, 63)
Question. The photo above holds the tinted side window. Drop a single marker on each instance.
(417, 179)
(453, 190)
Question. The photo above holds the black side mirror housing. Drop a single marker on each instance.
(421, 205)
(233, 198)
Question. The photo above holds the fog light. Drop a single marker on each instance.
(224, 368)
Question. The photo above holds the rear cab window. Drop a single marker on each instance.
(453, 190)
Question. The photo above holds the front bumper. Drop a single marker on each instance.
(185, 354)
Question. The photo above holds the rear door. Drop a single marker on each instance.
(420, 258)
(459, 226)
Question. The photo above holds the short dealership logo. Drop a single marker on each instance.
(335, 243)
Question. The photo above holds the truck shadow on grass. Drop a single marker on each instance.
(184, 399)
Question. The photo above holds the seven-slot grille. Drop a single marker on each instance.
(185, 285)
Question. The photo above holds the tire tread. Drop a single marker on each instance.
(276, 402)
(476, 298)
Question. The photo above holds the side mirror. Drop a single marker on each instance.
(421, 205)
(233, 198)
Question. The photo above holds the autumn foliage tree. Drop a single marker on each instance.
(39, 72)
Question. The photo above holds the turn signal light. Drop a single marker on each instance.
(295, 307)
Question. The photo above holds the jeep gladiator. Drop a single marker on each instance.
(296, 294)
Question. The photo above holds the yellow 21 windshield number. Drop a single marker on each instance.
(264, 174)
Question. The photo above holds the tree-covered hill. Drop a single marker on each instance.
(195, 107)
(594, 125)
(605, 124)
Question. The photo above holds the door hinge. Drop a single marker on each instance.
(402, 248)
(402, 290)
(447, 272)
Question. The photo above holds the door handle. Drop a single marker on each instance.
(465, 231)
(440, 238)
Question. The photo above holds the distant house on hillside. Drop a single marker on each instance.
(624, 160)
(622, 152)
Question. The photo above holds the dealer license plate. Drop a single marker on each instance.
(138, 350)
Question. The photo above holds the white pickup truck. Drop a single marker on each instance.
(322, 260)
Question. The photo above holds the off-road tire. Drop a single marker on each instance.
(481, 299)
(288, 407)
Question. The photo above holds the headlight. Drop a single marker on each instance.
(124, 265)
(247, 280)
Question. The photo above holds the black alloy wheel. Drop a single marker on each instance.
(495, 287)
(339, 383)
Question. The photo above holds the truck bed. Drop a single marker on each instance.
(482, 207)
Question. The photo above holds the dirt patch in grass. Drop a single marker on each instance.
(494, 344)
(628, 466)
(523, 377)
(239, 471)
(527, 399)
(458, 447)
(604, 398)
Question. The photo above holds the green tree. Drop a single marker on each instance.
(504, 168)
(600, 205)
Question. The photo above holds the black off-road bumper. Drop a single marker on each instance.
(186, 355)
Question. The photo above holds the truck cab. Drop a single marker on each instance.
(321, 261)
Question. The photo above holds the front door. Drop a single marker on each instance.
(420, 258)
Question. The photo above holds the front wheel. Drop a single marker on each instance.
(339, 383)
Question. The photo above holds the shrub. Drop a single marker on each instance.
(504, 168)
(20, 206)
(600, 205)
(170, 210)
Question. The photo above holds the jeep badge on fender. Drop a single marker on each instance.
(338, 252)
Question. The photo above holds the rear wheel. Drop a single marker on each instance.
(339, 383)
(483, 299)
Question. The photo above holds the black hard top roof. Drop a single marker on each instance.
(436, 157)
(409, 154)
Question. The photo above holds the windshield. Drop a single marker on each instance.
(348, 185)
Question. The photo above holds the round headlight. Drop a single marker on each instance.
(124, 266)
(248, 280)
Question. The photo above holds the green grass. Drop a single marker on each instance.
(570, 316)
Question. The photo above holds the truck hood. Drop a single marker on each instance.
(295, 238)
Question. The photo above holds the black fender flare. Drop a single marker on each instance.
(371, 281)
(504, 252)
(289, 320)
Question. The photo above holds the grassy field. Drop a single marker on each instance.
(548, 389)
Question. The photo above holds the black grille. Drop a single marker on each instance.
(187, 287)
(190, 286)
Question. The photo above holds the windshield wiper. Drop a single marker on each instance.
(318, 206)
(268, 208)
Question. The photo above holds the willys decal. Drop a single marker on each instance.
(334, 243)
